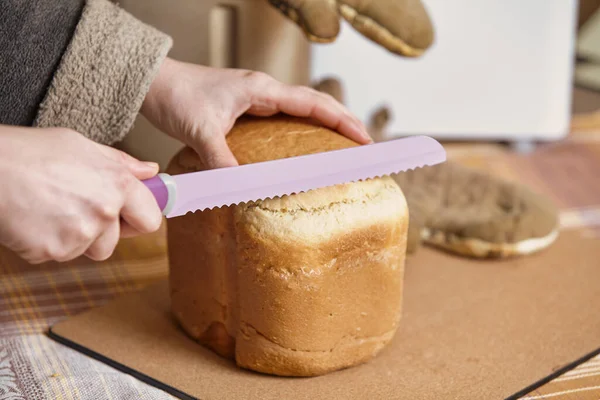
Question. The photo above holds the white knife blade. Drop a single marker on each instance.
(180, 194)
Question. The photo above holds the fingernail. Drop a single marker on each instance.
(363, 132)
(151, 164)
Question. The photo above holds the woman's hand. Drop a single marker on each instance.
(199, 105)
(64, 195)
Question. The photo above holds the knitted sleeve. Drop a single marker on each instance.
(104, 73)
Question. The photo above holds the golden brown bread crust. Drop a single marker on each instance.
(254, 140)
(299, 285)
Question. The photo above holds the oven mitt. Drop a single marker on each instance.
(470, 212)
(402, 27)
(476, 214)
(466, 211)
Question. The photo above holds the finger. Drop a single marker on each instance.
(30, 253)
(331, 95)
(34, 258)
(330, 99)
(331, 102)
(127, 231)
(305, 102)
(140, 169)
(214, 151)
(74, 241)
(60, 257)
(363, 129)
(140, 209)
(334, 115)
(104, 246)
(331, 86)
(68, 242)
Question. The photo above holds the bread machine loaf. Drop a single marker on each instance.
(298, 285)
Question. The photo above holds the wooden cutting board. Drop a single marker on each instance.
(470, 330)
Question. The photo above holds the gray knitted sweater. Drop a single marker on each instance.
(82, 64)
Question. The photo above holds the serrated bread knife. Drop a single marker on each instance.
(177, 195)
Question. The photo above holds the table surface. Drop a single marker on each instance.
(32, 298)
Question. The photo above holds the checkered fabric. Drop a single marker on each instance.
(32, 298)
(580, 383)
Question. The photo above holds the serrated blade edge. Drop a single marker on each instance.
(228, 186)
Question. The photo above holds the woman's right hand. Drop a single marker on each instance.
(64, 195)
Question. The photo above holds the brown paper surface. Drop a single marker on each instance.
(470, 330)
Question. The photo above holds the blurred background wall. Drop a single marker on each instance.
(251, 34)
(248, 34)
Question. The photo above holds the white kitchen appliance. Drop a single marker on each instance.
(499, 70)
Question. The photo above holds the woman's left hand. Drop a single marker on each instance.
(199, 105)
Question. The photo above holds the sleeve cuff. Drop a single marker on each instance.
(104, 74)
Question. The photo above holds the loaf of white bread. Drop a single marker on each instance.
(299, 285)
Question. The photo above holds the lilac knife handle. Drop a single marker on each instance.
(164, 190)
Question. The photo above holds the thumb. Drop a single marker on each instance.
(140, 169)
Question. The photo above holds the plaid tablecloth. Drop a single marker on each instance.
(32, 298)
